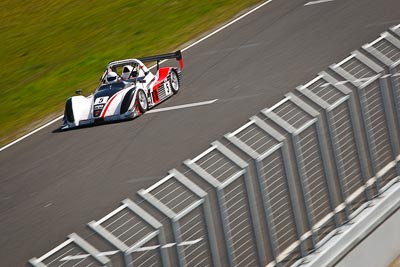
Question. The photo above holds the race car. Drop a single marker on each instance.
(126, 95)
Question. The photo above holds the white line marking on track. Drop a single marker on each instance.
(169, 245)
(190, 242)
(112, 252)
(183, 49)
(317, 2)
(182, 106)
(75, 257)
(146, 248)
(361, 80)
(227, 25)
(84, 256)
(109, 253)
(29, 134)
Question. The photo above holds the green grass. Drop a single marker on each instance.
(50, 48)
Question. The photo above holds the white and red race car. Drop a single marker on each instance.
(126, 95)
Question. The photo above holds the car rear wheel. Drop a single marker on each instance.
(142, 101)
(174, 82)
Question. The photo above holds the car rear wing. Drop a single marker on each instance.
(177, 55)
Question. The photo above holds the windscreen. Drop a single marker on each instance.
(113, 86)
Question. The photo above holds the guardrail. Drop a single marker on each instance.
(272, 191)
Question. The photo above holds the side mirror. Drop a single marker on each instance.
(78, 91)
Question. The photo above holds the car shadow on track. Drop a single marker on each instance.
(98, 124)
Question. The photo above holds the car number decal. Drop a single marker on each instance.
(101, 100)
(167, 87)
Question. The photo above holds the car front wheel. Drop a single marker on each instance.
(142, 101)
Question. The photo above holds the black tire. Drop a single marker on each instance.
(174, 81)
(126, 102)
(141, 101)
(69, 112)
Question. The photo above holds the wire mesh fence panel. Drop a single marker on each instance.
(375, 108)
(267, 148)
(334, 99)
(377, 125)
(174, 195)
(238, 219)
(340, 122)
(235, 199)
(185, 204)
(129, 229)
(192, 227)
(73, 252)
(302, 123)
(313, 170)
(272, 171)
(395, 82)
(386, 51)
(148, 255)
(396, 30)
(72, 256)
(218, 166)
(357, 69)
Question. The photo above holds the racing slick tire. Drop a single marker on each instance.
(142, 101)
(69, 112)
(127, 101)
(174, 82)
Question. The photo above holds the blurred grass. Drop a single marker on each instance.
(50, 48)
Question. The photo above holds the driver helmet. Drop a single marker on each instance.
(111, 77)
(126, 72)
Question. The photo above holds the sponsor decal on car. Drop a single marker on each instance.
(101, 100)
(97, 107)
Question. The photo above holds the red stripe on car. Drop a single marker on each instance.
(108, 104)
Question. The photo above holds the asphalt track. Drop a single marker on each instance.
(52, 183)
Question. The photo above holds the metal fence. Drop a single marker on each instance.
(337, 110)
(74, 251)
(228, 175)
(135, 233)
(269, 151)
(186, 205)
(275, 189)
